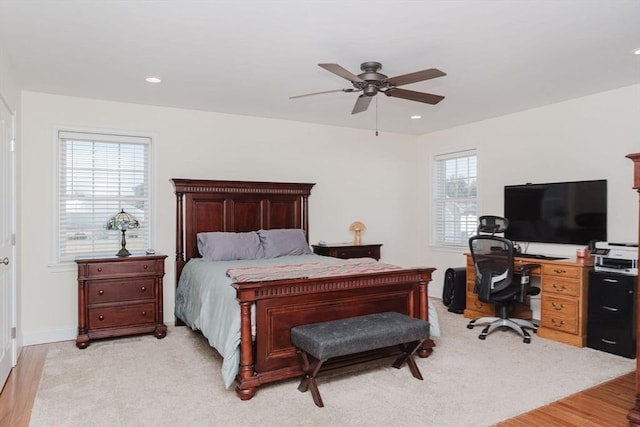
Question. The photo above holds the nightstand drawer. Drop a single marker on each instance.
(124, 315)
(118, 290)
(122, 267)
(345, 251)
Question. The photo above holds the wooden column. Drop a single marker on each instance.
(634, 414)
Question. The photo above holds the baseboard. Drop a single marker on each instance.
(45, 337)
(55, 335)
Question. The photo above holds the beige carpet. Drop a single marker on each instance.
(142, 381)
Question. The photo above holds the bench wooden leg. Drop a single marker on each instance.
(407, 355)
(308, 381)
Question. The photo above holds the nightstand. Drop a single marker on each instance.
(347, 250)
(119, 297)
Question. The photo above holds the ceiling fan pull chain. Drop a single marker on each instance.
(376, 116)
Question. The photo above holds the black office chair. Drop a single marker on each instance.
(494, 283)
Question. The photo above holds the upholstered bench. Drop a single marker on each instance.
(318, 342)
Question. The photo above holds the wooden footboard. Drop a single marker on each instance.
(283, 304)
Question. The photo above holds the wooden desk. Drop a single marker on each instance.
(563, 298)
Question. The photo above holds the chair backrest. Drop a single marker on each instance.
(492, 224)
(493, 262)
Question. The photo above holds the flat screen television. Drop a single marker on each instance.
(559, 212)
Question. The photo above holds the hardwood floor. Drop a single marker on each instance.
(604, 405)
(19, 392)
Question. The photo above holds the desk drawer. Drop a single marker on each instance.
(560, 314)
(561, 286)
(561, 270)
(475, 304)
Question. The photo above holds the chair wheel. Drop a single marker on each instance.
(482, 336)
(527, 340)
(469, 326)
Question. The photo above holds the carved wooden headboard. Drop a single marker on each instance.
(234, 206)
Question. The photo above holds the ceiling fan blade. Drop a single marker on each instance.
(412, 95)
(320, 93)
(418, 76)
(338, 70)
(362, 103)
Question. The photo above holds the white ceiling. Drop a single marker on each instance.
(248, 57)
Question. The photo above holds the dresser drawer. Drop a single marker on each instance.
(561, 286)
(561, 270)
(104, 291)
(123, 315)
(118, 268)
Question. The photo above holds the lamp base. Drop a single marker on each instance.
(123, 253)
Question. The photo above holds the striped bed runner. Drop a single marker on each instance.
(309, 270)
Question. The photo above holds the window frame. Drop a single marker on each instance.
(58, 259)
(437, 225)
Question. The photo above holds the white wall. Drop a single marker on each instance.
(358, 176)
(580, 139)
(382, 181)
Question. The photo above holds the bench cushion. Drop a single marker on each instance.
(356, 334)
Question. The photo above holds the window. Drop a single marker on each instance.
(455, 198)
(98, 175)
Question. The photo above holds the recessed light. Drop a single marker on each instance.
(416, 117)
(153, 80)
(637, 51)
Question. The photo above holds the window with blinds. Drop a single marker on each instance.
(98, 176)
(455, 198)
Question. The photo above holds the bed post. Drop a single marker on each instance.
(426, 348)
(179, 242)
(305, 215)
(246, 385)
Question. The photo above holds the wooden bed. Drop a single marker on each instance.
(241, 206)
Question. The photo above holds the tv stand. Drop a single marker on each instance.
(563, 297)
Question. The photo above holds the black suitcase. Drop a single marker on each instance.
(454, 294)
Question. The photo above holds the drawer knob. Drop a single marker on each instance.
(559, 270)
(559, 288)
(145, 266)
(101, 317)
(144, 313)
(101, 292)
(557, 323)
(143, 288)
(99, 269)
(558, 307)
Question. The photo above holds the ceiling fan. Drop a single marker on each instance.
(371, 82)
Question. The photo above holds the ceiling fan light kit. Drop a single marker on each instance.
(371, 82)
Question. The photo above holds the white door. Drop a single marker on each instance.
(7, 241)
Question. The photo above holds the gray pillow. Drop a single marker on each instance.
(222, 246)
(282, 242)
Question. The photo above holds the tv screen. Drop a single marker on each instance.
(559, 212)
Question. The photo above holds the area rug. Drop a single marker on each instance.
(176, 381)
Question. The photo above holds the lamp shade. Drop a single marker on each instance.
(357, 227)
(122, 221)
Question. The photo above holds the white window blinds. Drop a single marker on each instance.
(455, 198)
(99, 175)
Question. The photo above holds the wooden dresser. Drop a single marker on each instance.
(563, 298)
(634, 413)
(119, 296)
(347, 250)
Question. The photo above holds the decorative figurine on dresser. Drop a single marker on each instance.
(119, 296)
